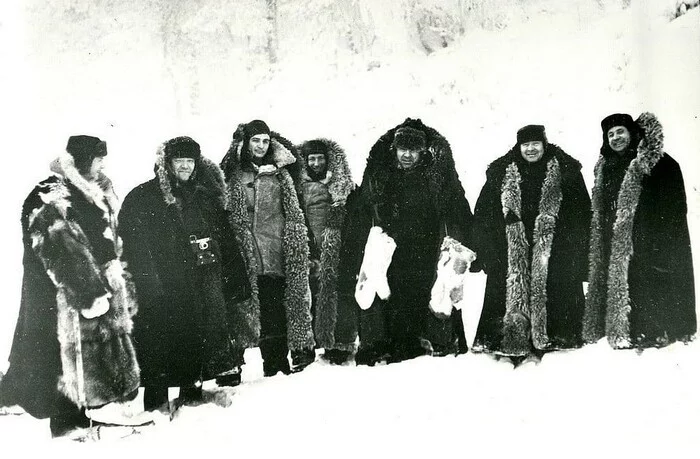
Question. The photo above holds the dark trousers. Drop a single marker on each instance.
(273, 325)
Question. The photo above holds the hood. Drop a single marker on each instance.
(339, 177)
(651, 146)
(438, 165)
(207, 176)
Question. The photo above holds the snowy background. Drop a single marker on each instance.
(137, 73)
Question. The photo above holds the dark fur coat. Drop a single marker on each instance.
(338, 185)
(641, 293)
(531, 233)
(182, 329)
(71, 248)
(417, 208)
(295, 243)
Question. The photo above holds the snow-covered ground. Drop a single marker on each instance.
(138, 73)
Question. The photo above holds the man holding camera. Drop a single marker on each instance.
(188, 270)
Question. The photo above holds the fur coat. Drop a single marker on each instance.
(295, 243)
(71, 256)
(642, 293)
(338, 185)
(183, 327)
(417, 208)
(530, 233)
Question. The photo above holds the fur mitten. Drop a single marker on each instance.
(448, 290)
(372, 281)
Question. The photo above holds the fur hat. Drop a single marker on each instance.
(618, 119)
(314, 147)
(85, 148)
(182, 147)
(256, 127)
(532, 133)
(409, 138)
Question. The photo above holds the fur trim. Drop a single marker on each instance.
(110, 371)
(295, 245)
(438, 162)
(615, 288)
(100, 193)
(340, 185)
(207, 175)
(526, 283)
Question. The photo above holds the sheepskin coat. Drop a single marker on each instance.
(71, 247)
(324, 207)
(294, 242)
(641, 290)
(417, 208)
(183, 327)
(531, 239)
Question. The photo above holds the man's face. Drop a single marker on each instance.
(182, 168)
(407, 159)
(532, 151)
(317, 163)
(98, 164)
(258, 145)
(619, 138)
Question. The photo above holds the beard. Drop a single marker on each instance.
(316, 176)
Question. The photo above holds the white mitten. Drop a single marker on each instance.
(440, 302)
(99, 307)
(454, 263)
(372, 280)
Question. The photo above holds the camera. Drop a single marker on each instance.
(203, 249)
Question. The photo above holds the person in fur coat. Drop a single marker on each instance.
(72, 346)
(262, 172)
(411, 191)
(326, 182)
(531, 239)
(188, 270)
(641, 292)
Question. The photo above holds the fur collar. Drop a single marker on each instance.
(100, 192)
(339, 177)
(609, 281)
(526, 285)
(207, 176)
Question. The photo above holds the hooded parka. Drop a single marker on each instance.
(417, 208)
(182, 330)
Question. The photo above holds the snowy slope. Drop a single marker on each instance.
(124, 73)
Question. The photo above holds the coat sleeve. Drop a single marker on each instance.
(576, 227)
(669, 229)
(488, 233)
(65, 253)
(457, 214)
(137, 251)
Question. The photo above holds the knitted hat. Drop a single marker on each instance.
(182, 147)
(409, 138)
(531, 133)
(256, 127)
(314, 147)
